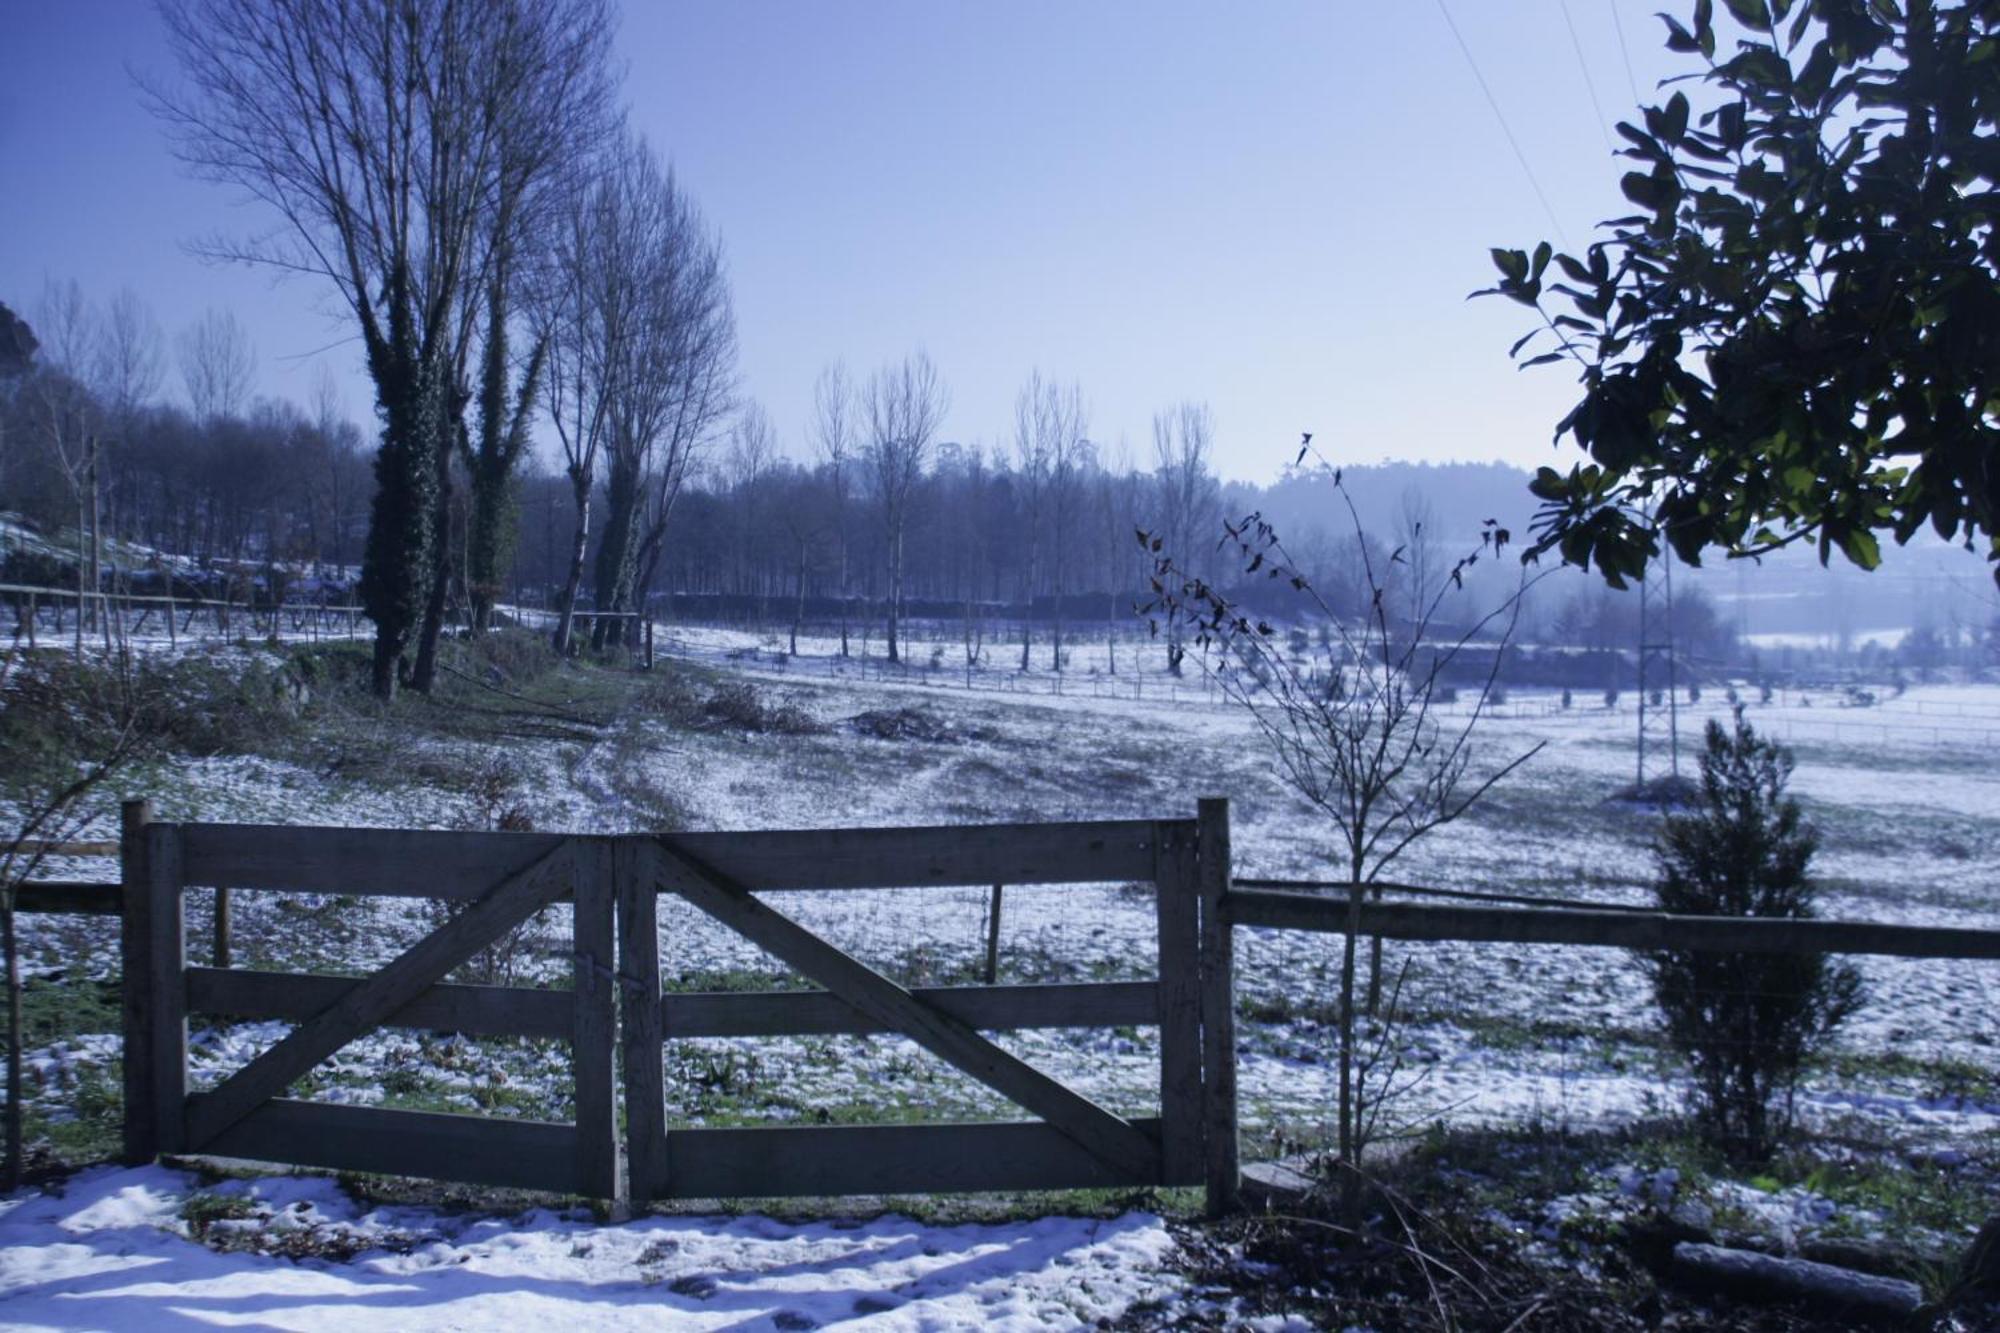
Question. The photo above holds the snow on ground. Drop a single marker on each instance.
(1904, 791)
(114, 1250)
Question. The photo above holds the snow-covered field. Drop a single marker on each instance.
(1905, 793)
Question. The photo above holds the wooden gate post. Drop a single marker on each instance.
(594, 1022)
(1218, 1009)
(153, 985)
(642, 1029)
(1176, 891)
(134, 934)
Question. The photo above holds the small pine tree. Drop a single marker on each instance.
(1745, 1023)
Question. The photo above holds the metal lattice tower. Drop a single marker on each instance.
(1659, 723)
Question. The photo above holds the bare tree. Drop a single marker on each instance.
(704, 393)
(379, 134)
(1417, 549)
(1357, 731)
(753, 451)
(833, 432)
(906, 404)
(216, 364)
(1031, 484)
(73, 424)
(1185, 503)
(671, 377)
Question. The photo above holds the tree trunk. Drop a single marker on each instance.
(617, 554)
(424, 674)
(82, 571)
(895, 590)
(402, 543)
(573, 581)
(10, 1173)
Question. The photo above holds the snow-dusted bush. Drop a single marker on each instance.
(1745, 1023)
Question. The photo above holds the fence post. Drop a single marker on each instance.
(222, 926)
(134, 933)
(594, 1023)
(153, 984)
(1218, 1009)
(1178, 903)
(993, 937)
(641, 1028)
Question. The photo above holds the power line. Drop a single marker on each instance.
(1590, 84)
(1505, 129)
(1624, 53)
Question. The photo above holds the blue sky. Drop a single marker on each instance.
(1275, 207)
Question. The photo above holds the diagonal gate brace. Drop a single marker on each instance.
(370, 1001)
(1113, 1140)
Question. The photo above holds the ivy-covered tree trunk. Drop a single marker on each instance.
(493, 462)
(402, 517)
(450, 437)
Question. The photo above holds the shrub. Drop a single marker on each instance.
(1745, 1023)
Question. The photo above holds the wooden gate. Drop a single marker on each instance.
(615, 1007)
(1074, 1142)
(501, 879)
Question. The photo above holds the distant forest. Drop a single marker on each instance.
(1041, 529)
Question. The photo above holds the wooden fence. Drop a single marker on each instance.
(617, 1007)
(616, 1011)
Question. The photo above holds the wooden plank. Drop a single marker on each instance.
(1218, 1011)
(363, 1007)
(1179, 926)
(987, 1008)
(454, 865)
(635, 880)
(476, 1011)
(594, 1036)
(389, 862)
(135, 935)
(74, 897)
(479, 1150)
(1132, 1153)
(166, 994)
(826, 1160)
(1615, 930)
(46, 847)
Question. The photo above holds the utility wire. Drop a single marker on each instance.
(1624, 53)
(1505, 129)
(1590, 84)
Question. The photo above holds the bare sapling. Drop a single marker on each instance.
(1358, 722)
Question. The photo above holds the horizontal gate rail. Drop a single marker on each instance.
(1616, 930)
(480, 1150)
(476, 1011)
(407, 863)
(795, 1161)
(987, 1008)
(74, 897)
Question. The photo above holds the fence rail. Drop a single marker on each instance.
(1604, 929)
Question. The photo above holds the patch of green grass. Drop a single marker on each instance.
(53, 1011)
(1911, 1197)
(205, 1209)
